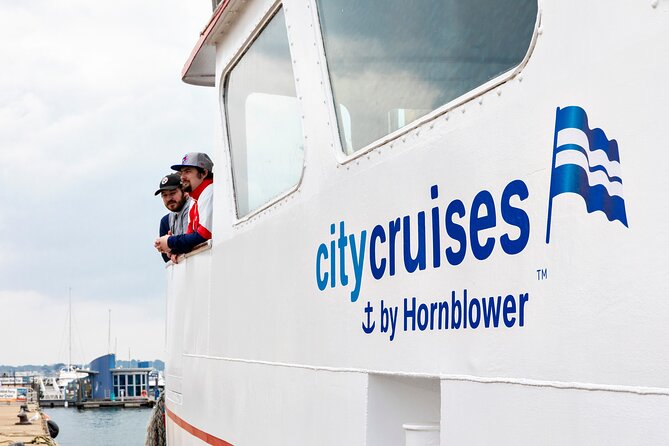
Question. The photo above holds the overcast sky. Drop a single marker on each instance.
(92, 114)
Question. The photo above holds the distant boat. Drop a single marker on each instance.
(156, 378)
(69, 374)
(54, 388)
(50, 389)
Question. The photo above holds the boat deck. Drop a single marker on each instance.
(11, 433)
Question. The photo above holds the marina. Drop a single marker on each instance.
(50, 409)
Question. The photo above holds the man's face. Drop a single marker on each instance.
(174, 199)
(191, 178)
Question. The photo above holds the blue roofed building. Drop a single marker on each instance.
(109, 382)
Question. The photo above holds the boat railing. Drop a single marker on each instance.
(50, 389)
(198, 249)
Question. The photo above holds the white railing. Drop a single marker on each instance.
(50, 389)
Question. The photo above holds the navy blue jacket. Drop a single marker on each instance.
(179, 244)
(164, 229)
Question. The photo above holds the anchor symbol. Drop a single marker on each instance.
(370, 325)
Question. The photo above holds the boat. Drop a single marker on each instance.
(70, 373)
(50, 391)
(156, 379)
(434, 223)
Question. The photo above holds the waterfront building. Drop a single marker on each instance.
(110, 382)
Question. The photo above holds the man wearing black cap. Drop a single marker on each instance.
(197, 179)
(176, 200)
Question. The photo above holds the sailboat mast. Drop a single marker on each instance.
(109, 333)
(69, 357)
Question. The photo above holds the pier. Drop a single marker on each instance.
(11, 432)
(97, 403)
(94, 404)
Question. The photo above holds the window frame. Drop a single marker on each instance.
(344, 158)
(222, 96)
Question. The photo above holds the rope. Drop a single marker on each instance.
(43, 439)
(155, 431)
(40, 439)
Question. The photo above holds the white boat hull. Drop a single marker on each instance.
(258, 354)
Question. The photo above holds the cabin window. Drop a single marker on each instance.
(393, 61)
(263, 117)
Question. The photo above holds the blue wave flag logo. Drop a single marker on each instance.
(587, 163)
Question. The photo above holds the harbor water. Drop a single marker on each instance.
(100, 427)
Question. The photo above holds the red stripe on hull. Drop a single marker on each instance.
(194, 431)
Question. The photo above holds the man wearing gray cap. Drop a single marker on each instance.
(197, 179)
(175, 200)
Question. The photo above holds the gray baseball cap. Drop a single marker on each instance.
(195, 159)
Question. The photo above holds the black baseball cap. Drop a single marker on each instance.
(169, 182)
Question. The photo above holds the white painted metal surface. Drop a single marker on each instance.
(258, 354)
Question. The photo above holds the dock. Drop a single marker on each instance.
(11, 432)
(94, 404)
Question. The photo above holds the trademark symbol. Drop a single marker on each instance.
(542, 274)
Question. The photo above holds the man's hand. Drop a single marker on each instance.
(161, 244)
